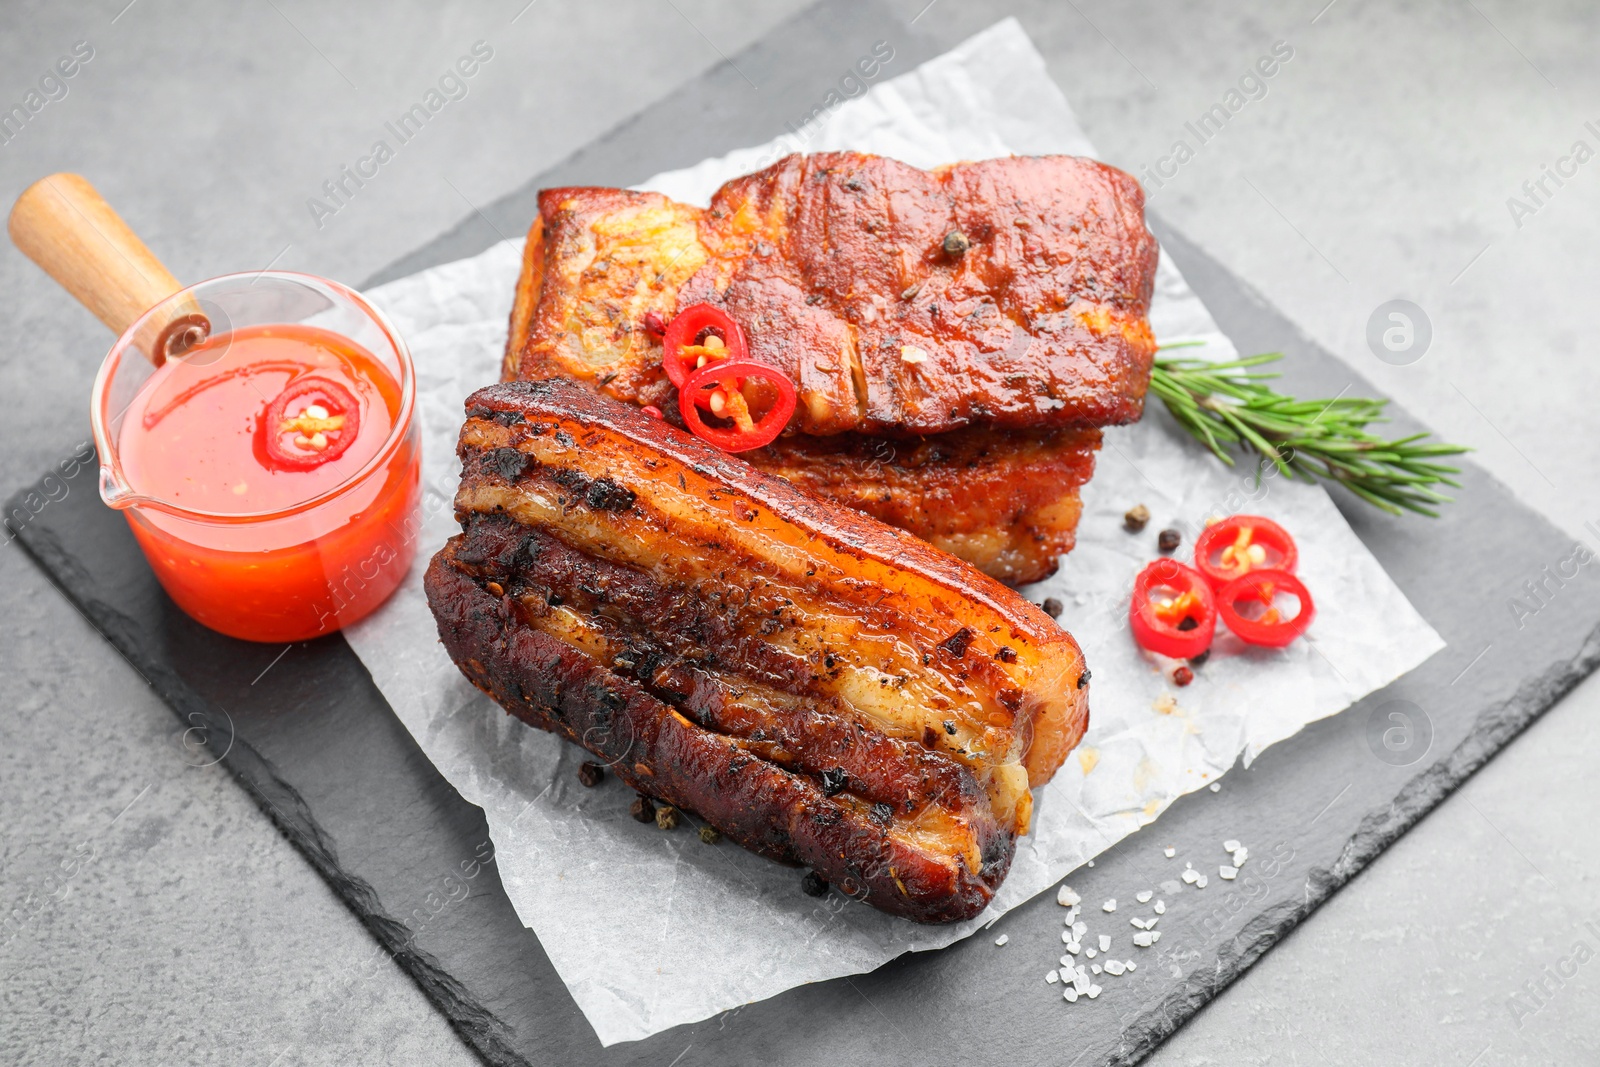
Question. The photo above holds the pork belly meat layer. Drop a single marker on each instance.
(826, 690)
(1009, 293)
(1006, 501)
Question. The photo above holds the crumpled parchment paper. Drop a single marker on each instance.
(651, 929)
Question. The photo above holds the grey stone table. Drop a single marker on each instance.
(1387, 159)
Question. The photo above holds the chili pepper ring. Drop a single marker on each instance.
(682, 346)
(728, 375)
(1159, 625)
(324, 423)
(1239, 544)
(1271, 629)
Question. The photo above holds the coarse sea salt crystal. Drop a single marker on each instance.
(1170, 851)
(1137, 923)
(1066, 963)
(1090, 952)
(1079, 929)
(1080, 981)
(1094, 991)
(1161, 907)
(1240, 855)
(1155, 935)
(1228, 873)
(1230, 845)
(1191, 875)
(1110, 905)
(1053, 977)
(1200, 882)
(1114, 967)
(1070, 995)
(1131, 965)
(1002, 939)
(1074, 947)
(1216, 787)
(1066, 897)
(1142, 939)
(1095, 968)
(1105, 942)
(1144, 895)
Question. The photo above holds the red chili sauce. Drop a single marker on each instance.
(270, 433)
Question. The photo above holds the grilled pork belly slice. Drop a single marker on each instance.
(1009, 293)
(1006, 501)
(824, 689)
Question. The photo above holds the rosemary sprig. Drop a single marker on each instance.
(1226, 406)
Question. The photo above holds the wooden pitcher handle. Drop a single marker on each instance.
(63, 224)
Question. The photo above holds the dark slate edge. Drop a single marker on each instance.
(271, 791)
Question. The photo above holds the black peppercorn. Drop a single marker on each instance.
(813, 886)
(834, 782)
(1168, 540)
(590, 773)
(1083, 679)
(642, 809)
(1052, 607)
(1135, 518)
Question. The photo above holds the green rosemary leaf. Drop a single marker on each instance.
(1228, 406)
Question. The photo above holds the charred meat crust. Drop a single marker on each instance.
(768, 808)
(663, 642)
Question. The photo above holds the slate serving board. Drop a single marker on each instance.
(304, 730)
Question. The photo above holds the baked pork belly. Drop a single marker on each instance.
(838, 268)
(824, 689)
(1010, 293)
